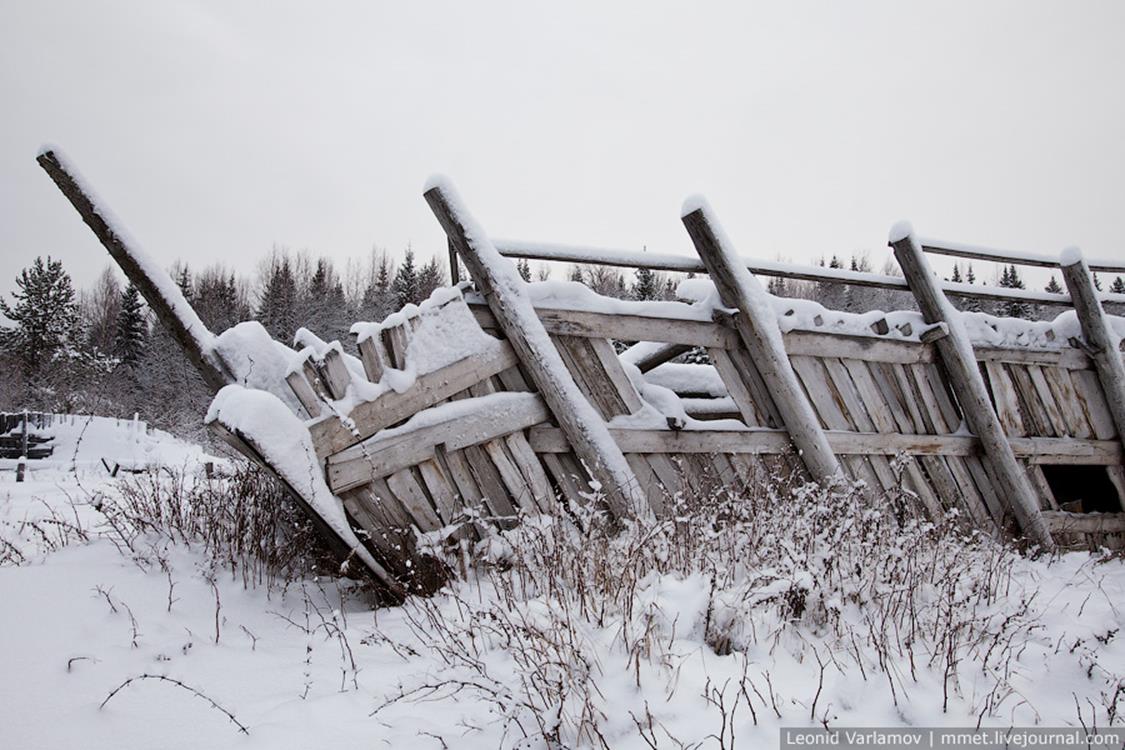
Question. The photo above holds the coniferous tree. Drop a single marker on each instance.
(956, 277)
(1010, 279)
(404, 288)
(524, 269)
(1118, 286)
(377, 298)
(277, 308)
(432, 276)
(45, 315)
(971, 304)
(132, 328)
(1097, 282)
(1053, 286)
(645, 286)
(576, 274)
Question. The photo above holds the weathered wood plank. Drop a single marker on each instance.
(1102, 344)
(736, 387)
(335, 373)
(1084, 523)
(759, 332)
(504, 292)
(384, 454)
(405, 487)
(305, 394)
(371, 358)
(956, 353)
(330, 435)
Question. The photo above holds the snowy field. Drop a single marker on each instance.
(711, 632)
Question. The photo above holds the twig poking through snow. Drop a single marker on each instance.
(241, 727)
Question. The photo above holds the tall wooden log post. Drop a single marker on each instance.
(956, 353)
(179, 318)
(503, 290)
(758, 328)
(161, 293)
(1102, 343)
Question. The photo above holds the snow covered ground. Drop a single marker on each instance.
(683, 633)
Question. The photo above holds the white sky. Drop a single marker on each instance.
(215, 130)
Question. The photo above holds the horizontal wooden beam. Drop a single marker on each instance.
(766, 441)
(472, 422)
(683, 264)
(1059, 521)
(332, 434)
(1039, 260)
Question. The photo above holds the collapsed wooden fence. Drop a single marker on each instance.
(493, 399)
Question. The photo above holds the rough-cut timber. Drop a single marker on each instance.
(586, 431)
(956, 353)
(757, 327)
(165, 299)
(1102, 344)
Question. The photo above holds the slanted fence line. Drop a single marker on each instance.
(533, 407)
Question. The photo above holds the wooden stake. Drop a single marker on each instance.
(158, 289)
(760, 334)
(956, 352)
(1101, 343)
(503, 291)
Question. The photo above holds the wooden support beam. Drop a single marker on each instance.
(757, 327)
(154, 284)
(956, 353)
(504, 291)
(1102, 343)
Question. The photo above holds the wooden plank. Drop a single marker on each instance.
(623, 327)
(658, 356)
(448, 506)
(876, 405)
(546, 440)
(386, 453)
(649, 483)
(335, 373)
(1058, 424)
(1085, 523)
(405, 487)
(1039, 481)
(736, 387)
(330, 435)
(507, 299)
(883, 377)
(905, 391)
(867, 348)
(848, 393)
(528, 464)
(820, 394)
(484, 472)
(304, 393)
(371, 358)
(1090, 395)
(1077, 424)
(1102, 344)
(757, 328)
(455, 467)
(965, 379)
(568, 476)
(610, 397)
(516, 484)
(1035, 418)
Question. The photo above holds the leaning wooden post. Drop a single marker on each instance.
(956, 352)
(163, 296)
(757, 326)
(504, 292)
(1103, 345)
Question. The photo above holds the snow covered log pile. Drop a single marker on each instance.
(498, 398)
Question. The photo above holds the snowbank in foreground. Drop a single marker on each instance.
(660, 647)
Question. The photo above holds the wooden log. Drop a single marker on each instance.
(956, 353)
(1102, 343)
(757, 327)
(665, 353)
(504, 292)
(304, 393)
(155, 285)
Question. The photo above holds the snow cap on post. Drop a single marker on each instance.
(900, 231)
(1070, 256)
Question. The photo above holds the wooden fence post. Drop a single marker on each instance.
(1102, 344)
(757, 327)
(956, 352)
(503, 290)
(158, 289)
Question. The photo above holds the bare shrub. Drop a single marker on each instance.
(241, 518)
(838, 579)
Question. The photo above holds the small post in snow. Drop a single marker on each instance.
(23, 436)
(956, 353)
(1101, 344)
(761, 336)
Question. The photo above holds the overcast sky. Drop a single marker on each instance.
(216, 130)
